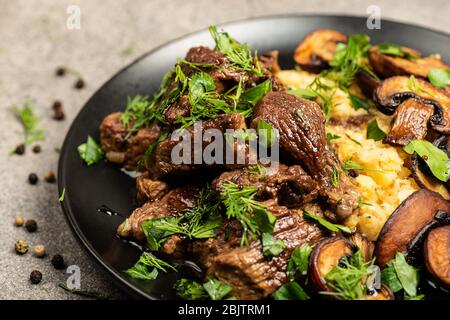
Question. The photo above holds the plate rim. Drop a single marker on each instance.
(126, 286)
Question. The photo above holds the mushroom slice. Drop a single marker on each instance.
(367, 83)
(410, 122)
(395, 90)
(388, 66)
(364, 245)
(437, 253)
(325, 256)
(317, 49)
(425, 179)
(404, 230)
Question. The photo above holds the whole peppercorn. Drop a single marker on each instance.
(79, 84)
(60, 71)
(39, 251)
(37, 149)
(19, 221)
(33, 178)
(58, 261)
(59, 115)
(49, 176)
(20, 149)
(35, 277)
(21, 246)
(57, 105)
(31, 225)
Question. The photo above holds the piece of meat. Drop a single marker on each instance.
(252, 275)
(174, 203)
(122, 148)
(410, 121)
(289, 185)
(149, 189)
(301, 126)
(162, 164)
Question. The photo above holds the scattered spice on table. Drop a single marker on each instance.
(20, 149)
(58, 113)
(79, 84)
(60, 71)
(35, 276)
(58, 261)
(19, 221)
(37, 149)
(31, 225)
(39, 251)
(49, 177)
(33, 178)
(21, 246)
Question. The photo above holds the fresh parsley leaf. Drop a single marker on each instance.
(190, 290)
(267, 134)
(440, 78)
(271, 246)
(290, 291)
(217, 290)
(29, 122)
(327, 224)
(331, 137)
(141, 269)
(208, 229)
(392, 49)
(400, 275)
(253, 95)
(436, 159)
(335, 177)
(307, 93)
(265, 220)
(374, 132)
(199, 84)
(358, 103)
(90, 151)
(63, 195)
(136, 114)
(298, 263)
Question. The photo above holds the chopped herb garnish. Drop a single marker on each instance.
(303, 119)
(267, 134)
(298, 263)
(151, 148)
(400, 275)
(413, 85)
(307, 93)
(290, 291)
(271, 246)
(436, 159)
(29, 122)
(331, 137)
(253, 95)
(90, 151)
(362, 202)
(63, 195)
(323, 92)
(190, 290)
(327, 224)
(353, 140)
(440, 78)
(392, 49)
(257, 169)
(358, 103)
(335, 177)
(137, 114)
(141, 269)
(352, 165)
(374, 132)
(217, 290)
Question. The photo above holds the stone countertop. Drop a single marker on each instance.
(35, 41)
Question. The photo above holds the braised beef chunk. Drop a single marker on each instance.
(149, 189)
(301, 125)
(180, 108)
(410, 121)
(121, 149)
(290, 186)
(252, 275)
(162, 164)
(174, 203)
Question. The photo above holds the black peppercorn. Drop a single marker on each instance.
(20, 149)
(33, 178)
(58, 115)
(57, 105)
(58, 261)
(35, 277)
(79, 84)
(61, 71)
(37, 149)
(31, 225)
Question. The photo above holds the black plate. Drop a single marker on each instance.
(104, 184)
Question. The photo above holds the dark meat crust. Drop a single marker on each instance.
(120, 150)
(149, 189)
(301, 125)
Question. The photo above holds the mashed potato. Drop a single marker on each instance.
(386, 181)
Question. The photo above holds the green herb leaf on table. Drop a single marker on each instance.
(298, 263)
(190, 290)
(327, 224)
(271, 246)
(290, 291)
(392, 49)
(436, 159)
(29, 122)
(374, 132)
(90, 151)
(63, 195)
(440, 78)
(216, 289)
(400, 275)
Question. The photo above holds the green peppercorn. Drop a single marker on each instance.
(21, 246)
(35, 276)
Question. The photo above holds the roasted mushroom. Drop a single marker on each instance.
(395, 90)
(405, 229)
(367, 83)
(437, 254)
(317, 49)
(364, 245)
(388, 66)
(425, 179)
(410, 121)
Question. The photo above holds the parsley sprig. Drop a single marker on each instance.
(29, 122)
(148, 267)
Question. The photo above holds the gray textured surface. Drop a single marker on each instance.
(34, 41)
